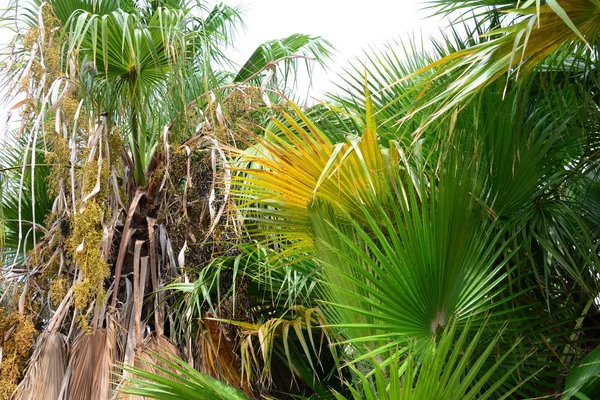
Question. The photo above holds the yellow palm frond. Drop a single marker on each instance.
(300, 163)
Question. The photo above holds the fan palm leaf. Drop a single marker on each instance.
(347, 174)
(380, 274)
(451, 368)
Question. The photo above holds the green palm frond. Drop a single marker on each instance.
(583, 382)
(177, 380)
(211, 35)
(65, 8)
(222, 22)
(384, 238)
(522, 141)
(288, 50)
(395, 86)
(132, 58)
(453, 368)
(516, 49)
(379, 273)
(390, 100)
(25, 199)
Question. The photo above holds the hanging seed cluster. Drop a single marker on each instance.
(71, 251)
(84, 246)
(18, 330)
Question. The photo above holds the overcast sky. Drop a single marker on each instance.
(349, 27)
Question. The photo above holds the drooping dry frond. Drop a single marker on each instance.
(46, 370)
(217, 357)
(90, 366)
(155, 355)
(302, 334)
(155, 345)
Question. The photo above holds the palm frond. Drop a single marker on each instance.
(515, 49)
(347, 174)
(25, 196)
(378, 271)
(451, 368)
(284, 53)
(46, 370)
(179, 381)
(583, 380)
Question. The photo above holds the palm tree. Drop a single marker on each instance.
(429, 233)
(483, 221)
(127, 102)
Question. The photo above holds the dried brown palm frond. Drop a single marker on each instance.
(47, 366)
(90, 365)
(155, 350)
(216, 356)
(305, 341)
(46, 370)
(155, 354)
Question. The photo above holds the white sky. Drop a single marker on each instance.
(351, 26)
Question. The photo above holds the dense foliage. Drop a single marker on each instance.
(175, 228)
